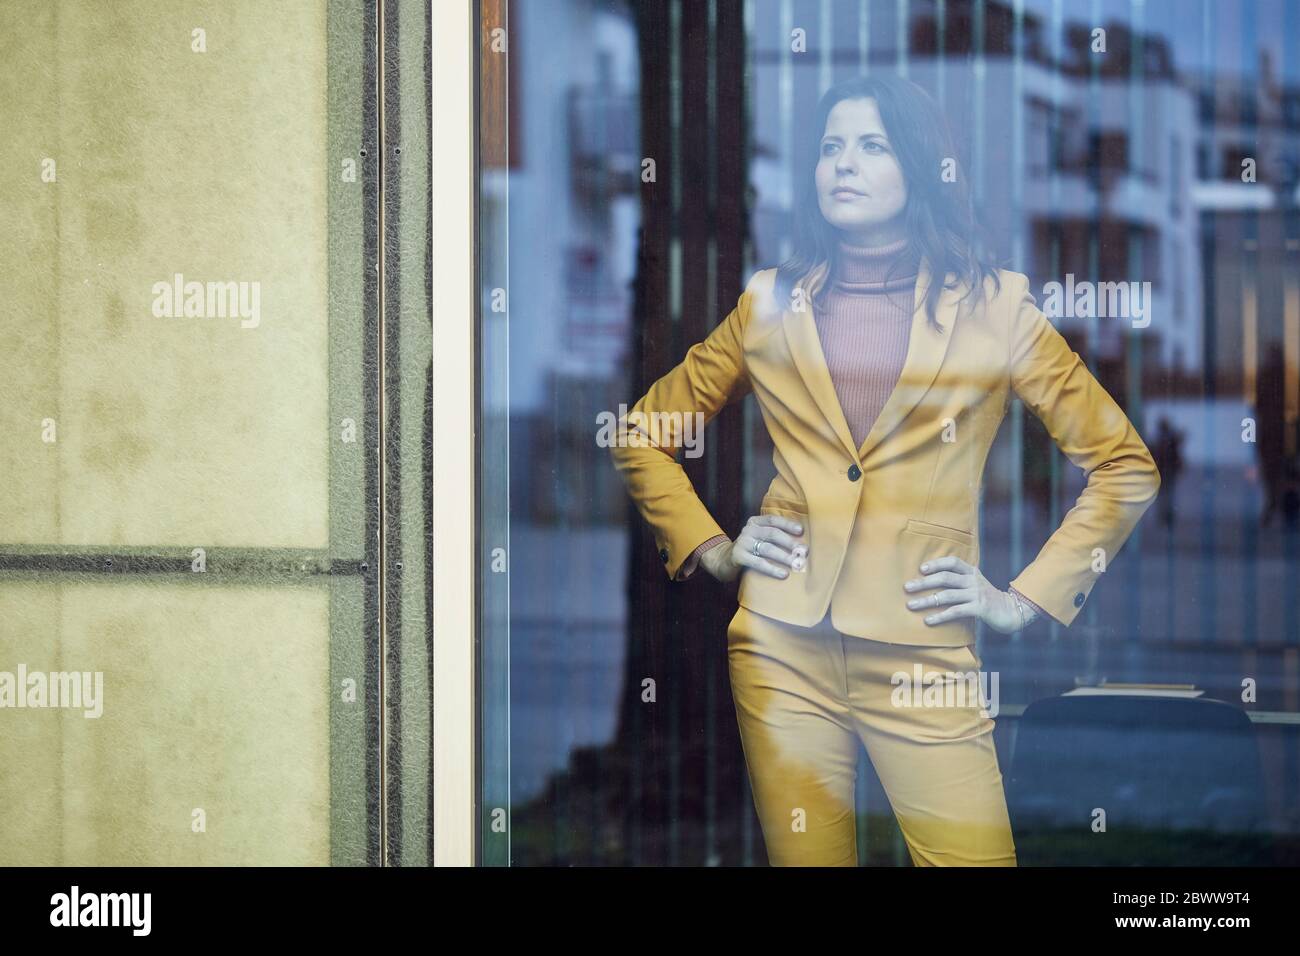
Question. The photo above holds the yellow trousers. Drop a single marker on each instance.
(806, 697)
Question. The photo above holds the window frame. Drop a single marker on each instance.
(454, 313)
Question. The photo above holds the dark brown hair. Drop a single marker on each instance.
(939, 216)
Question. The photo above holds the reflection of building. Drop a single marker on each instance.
(1075, 171)
(569, 211)
(572, 204)
(1250, 130)
(1110, 168)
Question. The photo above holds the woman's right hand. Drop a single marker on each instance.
(779, 552)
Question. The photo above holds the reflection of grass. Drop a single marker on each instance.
(567, 826)
(1142, 847)
(537, 841)
(880, 841)
(585, 817)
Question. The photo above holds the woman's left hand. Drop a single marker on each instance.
(966, 592)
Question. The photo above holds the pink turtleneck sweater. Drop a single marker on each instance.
(863, 322)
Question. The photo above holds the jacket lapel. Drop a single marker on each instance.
(925, 351)
(926, 348)
(810, 360)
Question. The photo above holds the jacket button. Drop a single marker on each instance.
(1078, 599)
(854, 473)
(663, 555)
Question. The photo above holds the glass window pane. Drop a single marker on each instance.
(1133, 170)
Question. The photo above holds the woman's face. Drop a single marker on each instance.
(860, 186)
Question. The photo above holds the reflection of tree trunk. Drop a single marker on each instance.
(1275, 440)
(678, 759)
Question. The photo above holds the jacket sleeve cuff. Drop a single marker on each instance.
(1055, 586)
(676, 546)
(693, 559)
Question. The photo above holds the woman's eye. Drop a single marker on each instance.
(875, 147)
(826, 149)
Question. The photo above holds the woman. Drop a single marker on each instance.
(883, 355)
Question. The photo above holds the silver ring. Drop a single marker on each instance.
(757, 542)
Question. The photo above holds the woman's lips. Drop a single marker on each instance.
(846, 194)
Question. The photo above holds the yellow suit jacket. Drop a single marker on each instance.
(872, 514)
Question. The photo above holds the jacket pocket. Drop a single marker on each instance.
(916, 526)
(783, 506)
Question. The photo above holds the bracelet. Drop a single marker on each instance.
(1020, 608)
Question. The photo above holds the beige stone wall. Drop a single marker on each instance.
(214, 699)
(169, 432)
